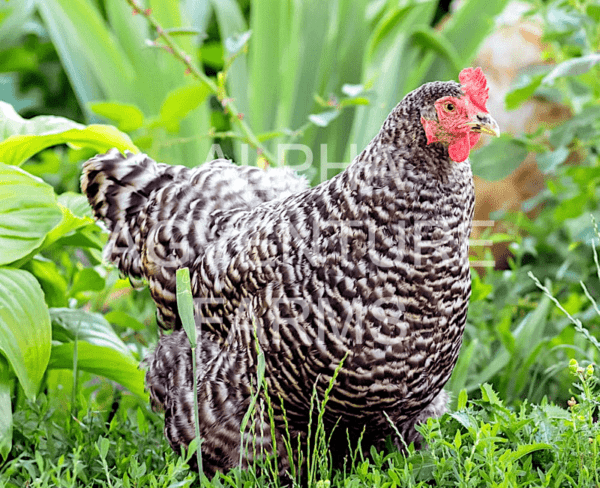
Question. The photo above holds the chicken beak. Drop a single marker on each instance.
(485, 124)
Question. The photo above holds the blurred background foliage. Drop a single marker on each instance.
(320, 74)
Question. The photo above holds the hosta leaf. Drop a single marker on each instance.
(103, 361)
(24, 138)
(6, 420)
(12, 124)
(498, 159)
(28, 211)
(18, 149)
(76, 203)
(25, 332)
(67, 226)
(69, 324)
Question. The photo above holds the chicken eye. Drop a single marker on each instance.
(449, 107)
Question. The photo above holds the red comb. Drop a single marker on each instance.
(475, 86)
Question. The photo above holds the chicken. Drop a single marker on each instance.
(367, 273)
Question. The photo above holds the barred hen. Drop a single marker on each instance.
(368, 270)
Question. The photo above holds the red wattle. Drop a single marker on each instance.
(459, 150)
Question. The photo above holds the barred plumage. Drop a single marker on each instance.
(370, 268)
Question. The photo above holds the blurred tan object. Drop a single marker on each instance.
(514, 46)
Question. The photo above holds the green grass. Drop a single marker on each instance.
(481, 443)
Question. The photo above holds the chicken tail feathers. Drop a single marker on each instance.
(117, 187)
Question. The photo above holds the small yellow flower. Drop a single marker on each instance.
(573, 365)
(589, 372)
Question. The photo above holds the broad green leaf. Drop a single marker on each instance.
(571, 208)
(12, 124)
(77, 227)
(103, 361)
(498, 159)
(76, 203)
(69, 324)
(67, 226)
(88, 236)
(521, 91)
(180, 102)
(127, 116)
(6, 419)
(28, 211)
(573, 67)
(324, 118)
(25, 332)
(549, 161)
(18, 149)
(185, 305)
(211, 54)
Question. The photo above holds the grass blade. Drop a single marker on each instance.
(185, 309)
